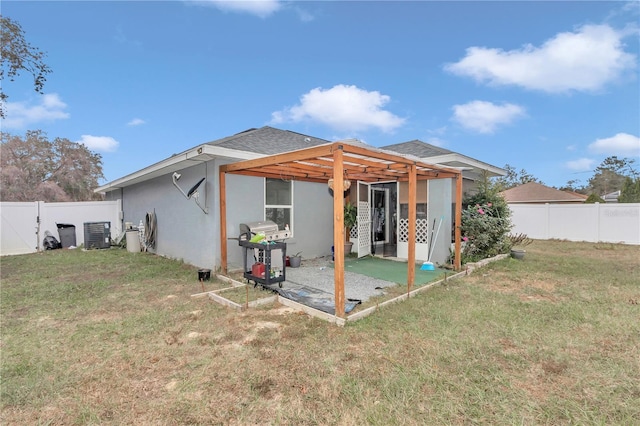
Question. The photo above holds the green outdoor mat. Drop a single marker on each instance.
(390, 270)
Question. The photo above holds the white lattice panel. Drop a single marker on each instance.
(422, 231)
(403, 230)
(353, 232)
(364, 225)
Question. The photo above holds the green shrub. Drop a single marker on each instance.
(486, 224)
(593, 198)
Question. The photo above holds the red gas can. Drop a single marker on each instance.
(257, 270)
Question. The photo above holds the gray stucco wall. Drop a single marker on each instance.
(312, 216)
(313, 219)
(440, 202)
(184, 232)
(245, 203)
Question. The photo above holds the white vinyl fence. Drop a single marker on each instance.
(610, 223)
(24, 224)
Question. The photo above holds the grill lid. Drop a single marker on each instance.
(268, 228)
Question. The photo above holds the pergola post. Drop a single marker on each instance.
(411, 240)
(338, 230)
(223, 221)
(458, 230)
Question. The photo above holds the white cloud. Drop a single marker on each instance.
(304, 15)
(99, 143)
(439, 131)
(343, 108)
(22, 114)
(485, 117)
(622, 144)
(121, 38)
(136, 122)
(580, 165)
(260, 8)
(585, 60)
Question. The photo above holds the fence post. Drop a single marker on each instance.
(597, 216)
(547, 216)
(39, 213)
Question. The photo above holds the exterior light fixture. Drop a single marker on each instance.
(347, 184)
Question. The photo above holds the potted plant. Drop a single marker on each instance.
(294, 261)
(518, 242)
(350, 220)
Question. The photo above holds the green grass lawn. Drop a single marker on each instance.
(112, 337)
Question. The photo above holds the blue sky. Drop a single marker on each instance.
(549, 87)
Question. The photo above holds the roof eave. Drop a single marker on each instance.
(176, 162)
(476, 164)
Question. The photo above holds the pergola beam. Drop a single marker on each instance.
(301, 155)
(299, 172)
(279, 176)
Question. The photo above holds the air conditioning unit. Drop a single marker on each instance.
(97, 235)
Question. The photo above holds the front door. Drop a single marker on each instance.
(384, 218)
(364, 220)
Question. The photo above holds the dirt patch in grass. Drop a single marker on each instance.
(242, 295)
(526, 289)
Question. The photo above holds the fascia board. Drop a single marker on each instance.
(177, 162)
(455, 157)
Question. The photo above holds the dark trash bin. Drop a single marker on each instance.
(67, 234)
(50, 242)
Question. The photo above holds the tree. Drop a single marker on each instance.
(610, 175)
(36, 169)
(514, 178)
(18, 55)
(630, 192)
(574, 185)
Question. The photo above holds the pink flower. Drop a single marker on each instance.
(489, 205)
(465, 239)
(480, 211)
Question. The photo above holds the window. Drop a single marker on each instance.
(278, 205)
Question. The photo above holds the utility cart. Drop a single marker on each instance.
(262, 271)
(264, 262)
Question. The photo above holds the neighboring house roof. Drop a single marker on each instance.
(437, 155)
(577, 194)
(612, 197)
(533, 192)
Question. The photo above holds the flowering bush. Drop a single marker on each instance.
(485, 224)
(484, 232)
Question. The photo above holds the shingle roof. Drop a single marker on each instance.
(472, 167)
(417, 148)
(268, 141)
(533, 192)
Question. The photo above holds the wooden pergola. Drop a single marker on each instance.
(338, 161)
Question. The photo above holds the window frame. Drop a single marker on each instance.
(280, 206)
